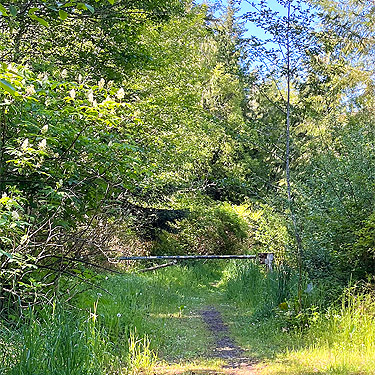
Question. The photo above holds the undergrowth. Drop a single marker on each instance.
(119, 332)
(150, 317)
(317, 337)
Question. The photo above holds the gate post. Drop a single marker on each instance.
(267, 259)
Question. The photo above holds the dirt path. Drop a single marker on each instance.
(225, 348)
(222, 348)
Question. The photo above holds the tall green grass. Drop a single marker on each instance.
(252, 286)
(340, 340)
(112, 333)
(9, 348)
(150, 316)
(336, 338)
(58, 341)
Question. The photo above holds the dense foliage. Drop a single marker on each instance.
(163, 127)
(114, 113)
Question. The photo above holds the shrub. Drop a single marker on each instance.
(214, 229)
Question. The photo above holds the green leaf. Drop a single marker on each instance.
(3, 11)
(90, 8)
(40, 20)
(66, 5)
(63, 15)
(81, 6)
(13, 10)
(13, 72)
(32, 11)
(5, 85)
(2, 252)
(36, 18)
(111, 1)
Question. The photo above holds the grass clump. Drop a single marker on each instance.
(142, 318)
(252, 287)
(334, 339)
(58, 341)
(340, 340)
(141, 358)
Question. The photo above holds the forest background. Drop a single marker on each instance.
(163, 127)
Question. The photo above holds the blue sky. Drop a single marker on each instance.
(253, 29)
(246, 7)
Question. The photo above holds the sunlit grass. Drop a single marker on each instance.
(163, 305)
(201, 366)
(141, 358)
(150, 323)
(323, 360)
(341, 341)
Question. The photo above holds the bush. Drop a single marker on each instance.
(57, 158)
(224, 228)
(269, 232)
(336, 199)
(212, 229)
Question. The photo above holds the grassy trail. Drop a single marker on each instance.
(220, 318)
(339, 342)
(202, 336)
(220, 354)
(203, 341)
(181, 310)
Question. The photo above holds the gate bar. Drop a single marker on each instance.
(183, 257)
